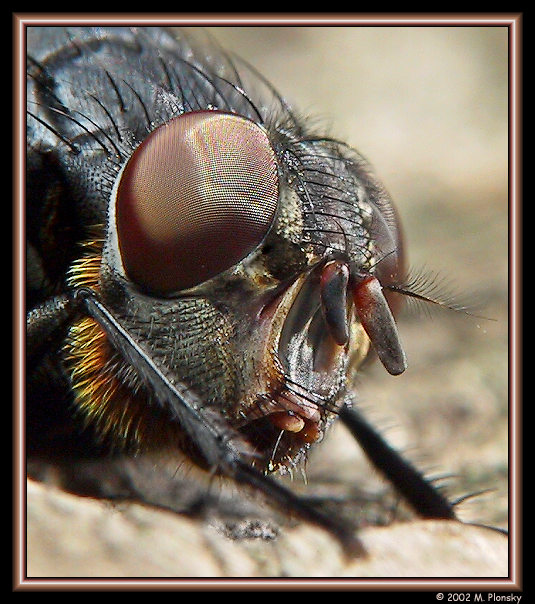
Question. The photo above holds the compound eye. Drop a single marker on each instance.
(196, 197)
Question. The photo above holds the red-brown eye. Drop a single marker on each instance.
(197, 196)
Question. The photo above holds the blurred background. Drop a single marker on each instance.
(428, 107)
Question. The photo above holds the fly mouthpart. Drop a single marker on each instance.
(308, 431)
(316, 325)
(285, 420)
(289, 412)
(314, 338)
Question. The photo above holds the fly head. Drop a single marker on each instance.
(248, 261)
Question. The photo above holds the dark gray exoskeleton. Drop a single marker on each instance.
(205, 275)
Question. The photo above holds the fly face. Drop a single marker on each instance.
(234, 268)
(255, 253)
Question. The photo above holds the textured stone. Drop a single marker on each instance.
(69, 536)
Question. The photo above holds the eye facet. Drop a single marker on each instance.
(197, 196)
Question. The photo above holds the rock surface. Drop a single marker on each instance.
(73, 537)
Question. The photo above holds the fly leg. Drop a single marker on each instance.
(47, 323)
(222, 449)
(51, 431)
(418, 492)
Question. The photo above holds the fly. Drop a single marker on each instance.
(205, 275)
